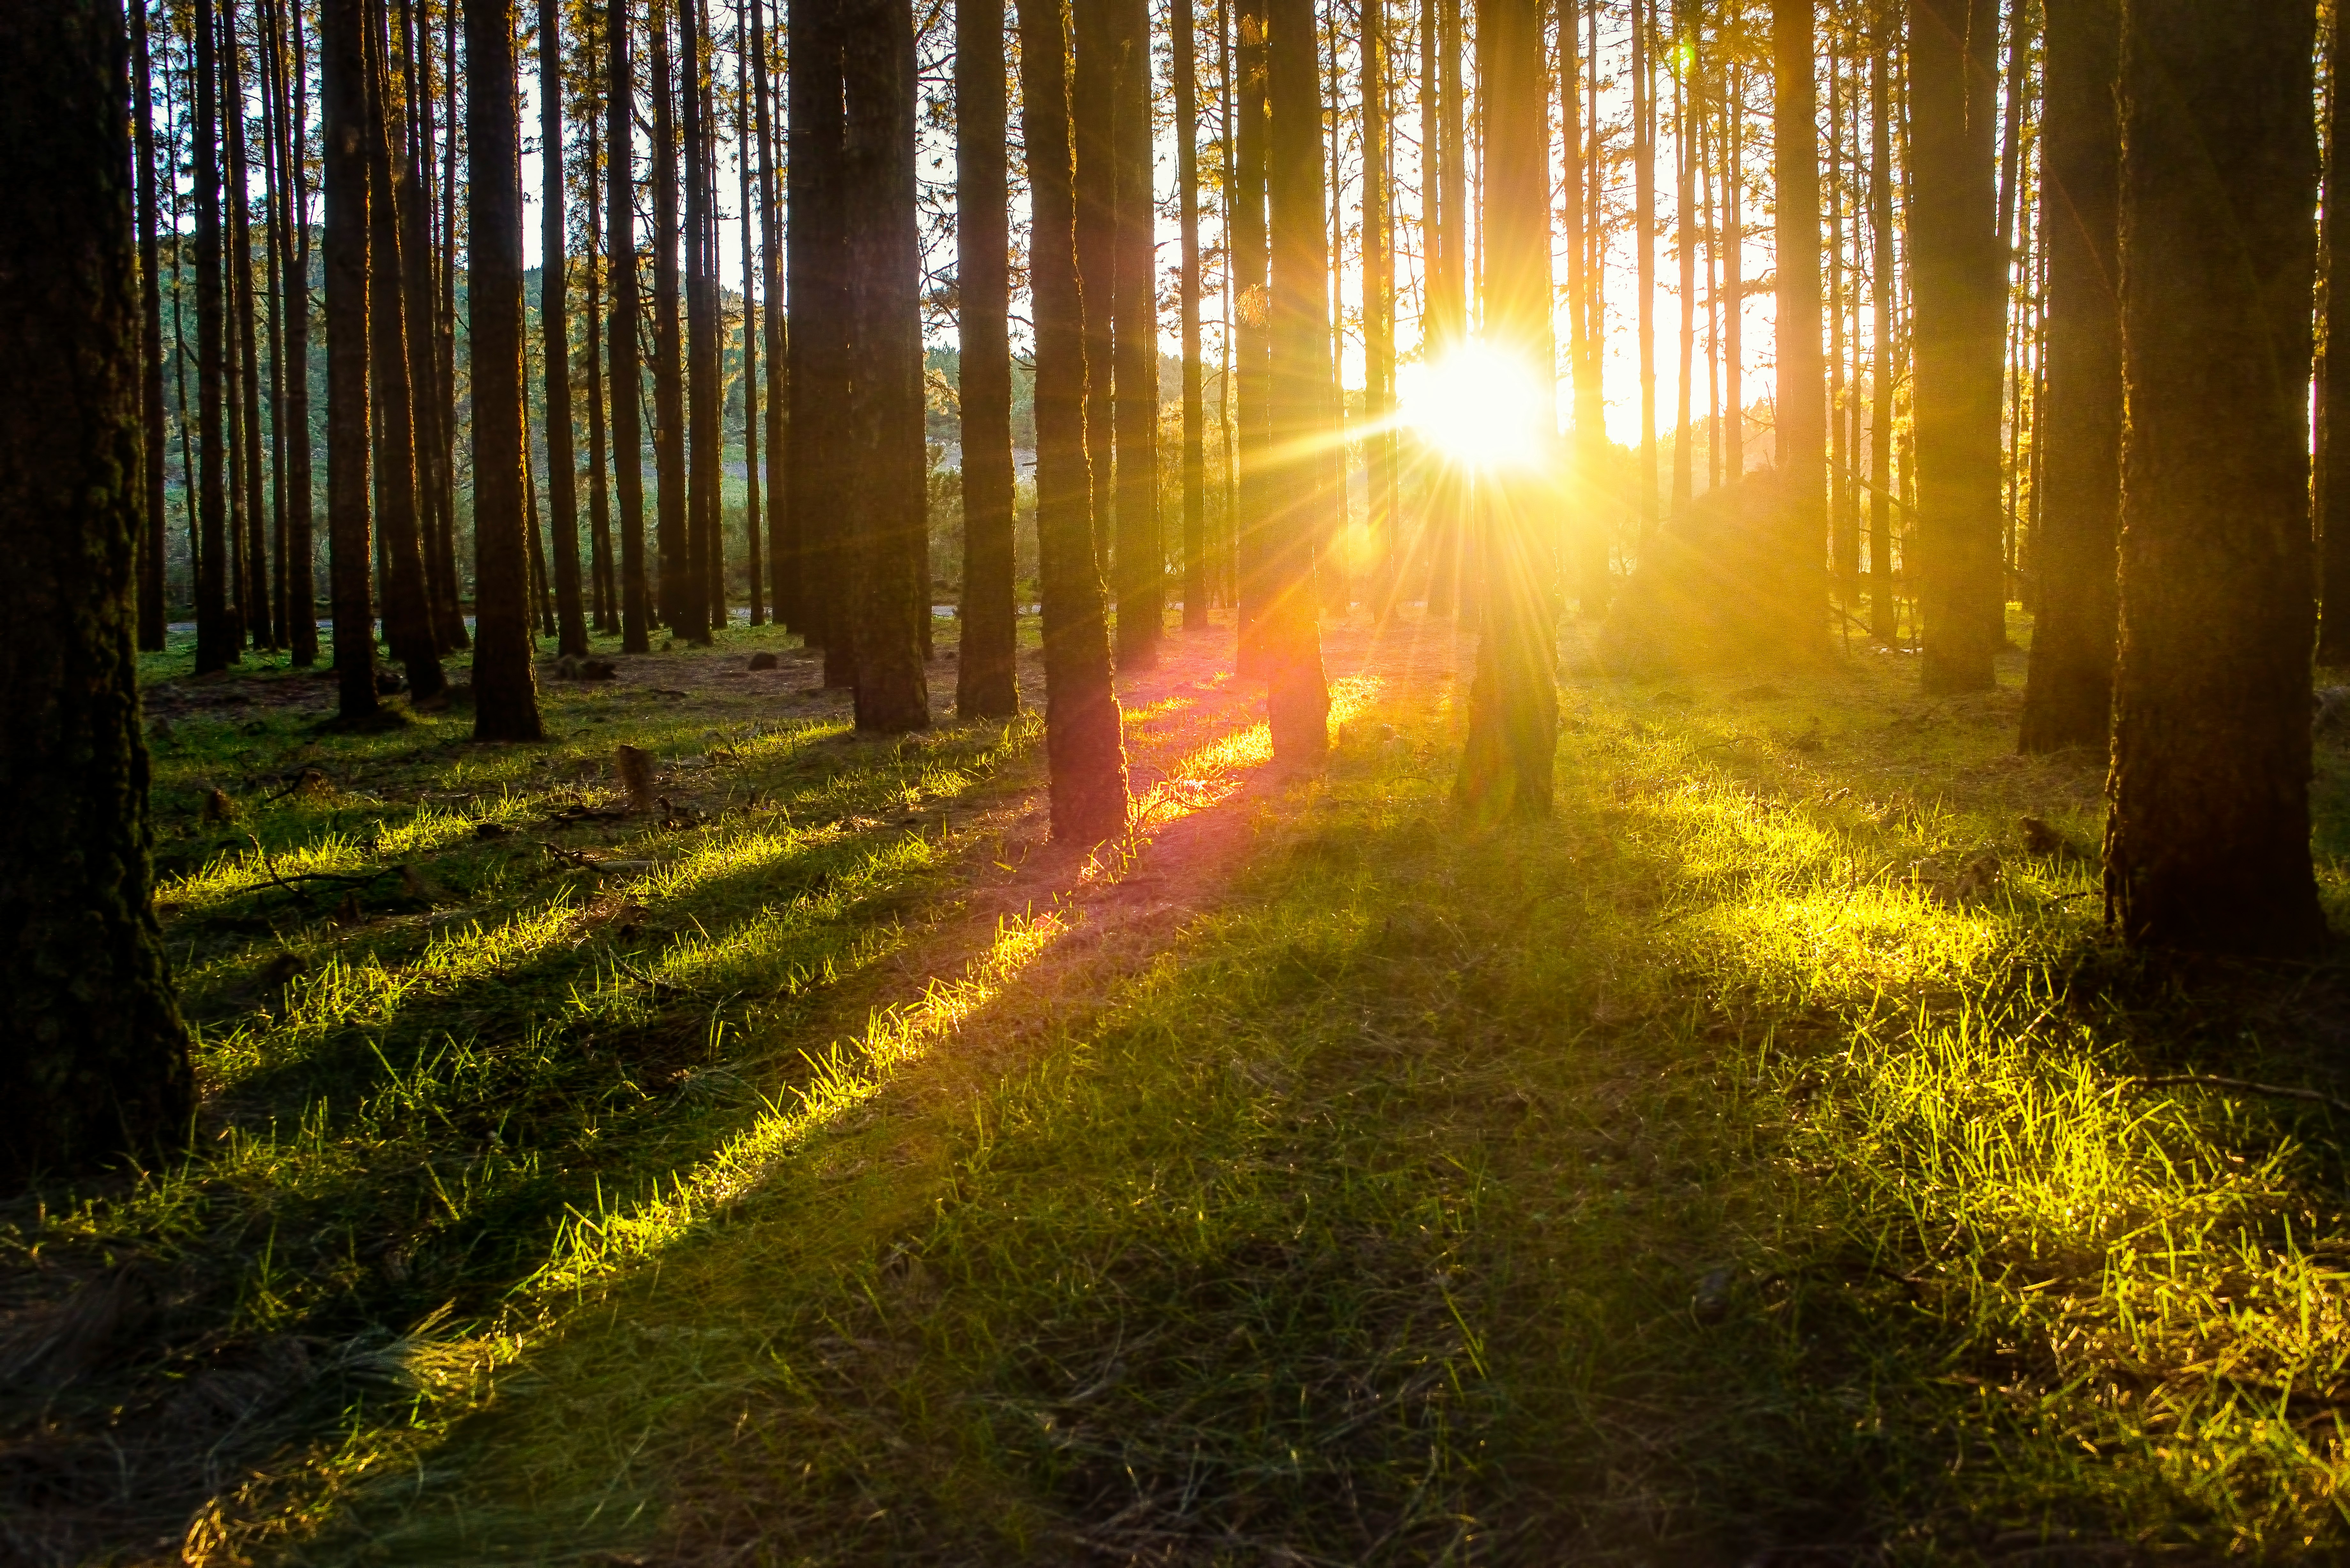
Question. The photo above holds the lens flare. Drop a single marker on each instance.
(1478, 405)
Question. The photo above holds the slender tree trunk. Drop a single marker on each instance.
(627, 377)
(151, 343)
(783, 567)
(452, 626)
(1253, 375)
(1195, 432)
(1448, 295)
(1843, 538)
(217, 644)
(270, 61)
(601, 573)
(2068, 699)
(1134, 322)
(1297, 697)
(681, 608)
(1093, 93)
(2208, 847)
(818, 284)
(1378, 312)
(408, 623)
(1733, 278)
(505, 694)
(97, 1065)
(435, 491)
(1955, 269)
(986, 683)
(704, 554)
(1329, 550)
(343, 100)
(2334, 410)
(253, 587)
(1506, 761)
(885, 452)
(1685, 221)
(1884, 610)
(1643, 250)
(301, 605)
(1584, 222)
(555, 330)
(1084, 742)
(1801, 432)
(751, 303)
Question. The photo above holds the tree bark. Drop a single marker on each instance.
(554, 331)
(429, 403)
(97, 1068)
(682, 609)
(887, 495)
(1644, 252)
(752, 304)
(1134, 308)
(1297, 697)
(986, 680)
(151, 342)
(1195, 419)
(1084, 740)
(301, 595)
(601, 573)
(1884, 610)
(253, 587)
(216, 637)
(1383, 514)
(1592, 576)
(2334, 414)
(408, 622)
(1959, 321)
(818, 282)
(2208, 844)
(1507, 760)
(704, 548)
(506, 694)
(2069, 695)
(1252, 374)
(1093, 96)
(1800, 396)
(343, 103)
(628, 376)
(1448, 291)
(782, 572)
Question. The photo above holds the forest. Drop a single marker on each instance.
(969, 781)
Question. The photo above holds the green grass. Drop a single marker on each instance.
(1747, 1165)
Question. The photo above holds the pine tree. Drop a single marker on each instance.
(986, 683)
(2208, 844)
(628, 376)
(97, 1064)
(1800, 397)
(150, 338)
(1084, 739)
(555, 330)
(2068, 700)
(818, 282)
(343, 139)
(1134, 310)
(505, 695)
(1297, 697)
(682, 609)
(1195, 433)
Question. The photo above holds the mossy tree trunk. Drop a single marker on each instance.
(96, 1067)
(506, 694)
(986, 683)
(1084, 745)
(2208, 844)
(2068, 699)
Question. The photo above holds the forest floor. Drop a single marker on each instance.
(1767, 1160)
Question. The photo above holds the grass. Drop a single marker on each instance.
(1758, 1162)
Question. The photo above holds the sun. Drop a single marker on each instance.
(1478, 405)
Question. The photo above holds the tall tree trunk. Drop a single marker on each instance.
(1884, 611)
(1448, 295)
(2068, 699)
(435, 490)
(1195, 421)
(986, 682)
(752, 303)
(817, 282)
(1843, 538)
(1378, 312)
(1297, 697)
(253, 589)
(1254, 374)
(217, 643)
(782, 572)
(268, 56)
(2208, 847)
(1799, 399)
(1685, 245)
(1093, 96)
(506, 694)
(1959, 322)
(2334, 414)
(1083, 741)
(706, 595)
(408, 622)
(682, 609)
(627, 377)
(1578, 72)
(888, 491)
(1134, 322)
(343, 139)
(606, 594)
(1506, 761)
(555, 330)
(1644, 251)
(97, 1065)
(1733, 271)
(151, 342)
(301, 604)
(451, 625)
